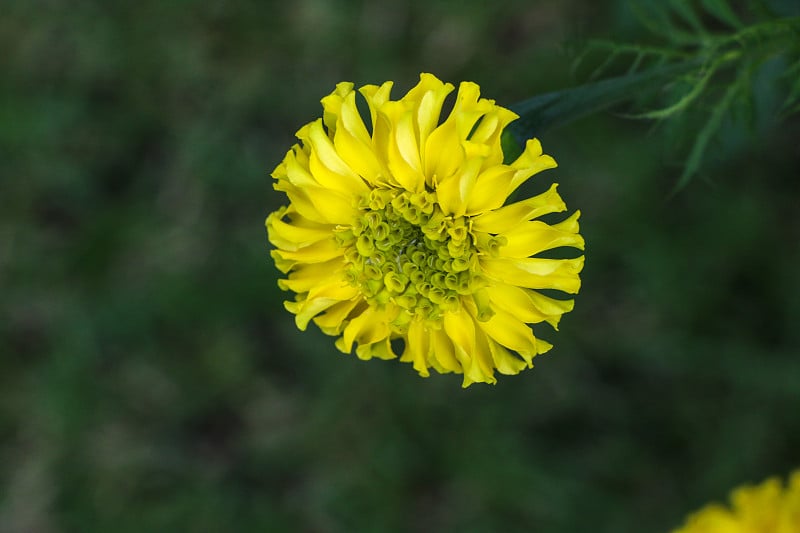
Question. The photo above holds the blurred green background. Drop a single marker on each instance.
(150, 379)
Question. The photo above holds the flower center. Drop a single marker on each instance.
(403, 249)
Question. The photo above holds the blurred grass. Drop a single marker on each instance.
(151, 380)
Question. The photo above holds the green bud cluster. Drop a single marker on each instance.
(403, 249)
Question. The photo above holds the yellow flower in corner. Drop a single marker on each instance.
(396, 237)
(764, 508)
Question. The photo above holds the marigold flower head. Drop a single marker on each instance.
(398, 231)
(766, 508)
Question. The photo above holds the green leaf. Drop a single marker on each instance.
(636, 62)
(604, 65)
(705, 135)
(685, 10)
(554, 109)
(692, 95)
(641, 55)
(746, 101)
(723, 12)
(656, 19)
(681, 104)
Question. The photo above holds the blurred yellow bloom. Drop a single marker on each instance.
(764, 508)
(396, 237)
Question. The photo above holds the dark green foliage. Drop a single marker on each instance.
(543, 112)
(150, 380)
(712, 67)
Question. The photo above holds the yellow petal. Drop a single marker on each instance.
(367, 328)
(535, 273)
(505, 218)
(327, 167)
(542, 346)
(376, 96)
(550, 308)
(530, 238)
(570, 224)
(531, 153)
(331, 322)
(314, 253)
(351, 119)
(332, 105)
(443, 153)
(323, 205)
(381, 349)
(294, 169)
(442, 354)
(514, 301)
(288, 236)
(452, 192)
(403, 155)
(320, 299)
(461, 330)
(530, 162)
(469, 108)
(428, 97)
(476, 364)
(284, 265)
(492, 125)
(489, 131)
(711, 519)
(306, 276)
(417, 347)
(444, 147)
(490, 190)
(506, 362)
(336, 288)
(512, 333)
(358, 156)
(353, 143)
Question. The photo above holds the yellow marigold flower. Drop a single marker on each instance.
(398, 232)
(764, 508)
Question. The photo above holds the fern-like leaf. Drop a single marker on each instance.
(721, 10)
(684, 102)
(686, 11)
(656, 18)
(705, 135)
